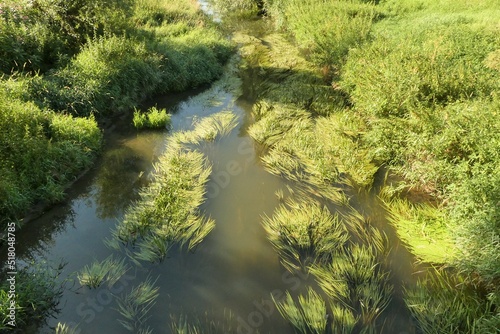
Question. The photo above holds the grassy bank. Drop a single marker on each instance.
(67, 66)
(350, 88)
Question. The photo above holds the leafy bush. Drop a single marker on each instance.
(154, 118)
(326, 30)
(41, 152)
(425, 65)
(35, 35)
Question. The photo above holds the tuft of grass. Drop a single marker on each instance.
(207, 128)
(309, 315)
(424, 228)
(154, 118)
(135, 306)
(206, 325)
(358, 288)
(446, 303)
(167, 211)
(109, 270)
(62, 328)
(303, 232)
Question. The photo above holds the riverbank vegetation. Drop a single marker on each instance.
(353, 90)
(68, 65)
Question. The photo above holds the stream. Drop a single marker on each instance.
(227, 281)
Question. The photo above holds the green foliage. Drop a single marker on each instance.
(308, 316)
(135, 305)
(108, 270)
(443, 303)
(41, 152)
(424, 229)
(326, 30)
(95, 57)
(304, 232)
(154, 118)
(37, 296)
(35, 35)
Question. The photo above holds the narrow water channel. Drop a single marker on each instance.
(225, 285)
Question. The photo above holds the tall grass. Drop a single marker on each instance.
(326, 30)
(444, 303)
(136, 304)
(304, 232)
(41, 152)
(154, 118)
(308, 315)
(38, 290)
(109, 270)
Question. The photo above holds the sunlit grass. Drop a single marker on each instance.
(135, 306)
(207, 128)
(307, 315)
(424, 228)
(154, 118)
(357, 285)
(447, 303)
(304, 231)
(167, 212)
(203, 325)
(62, 328)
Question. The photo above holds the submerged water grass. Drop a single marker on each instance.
(207, 128)
(445, 303)
(304, 232)
(135, 306)
(109, 270)
(308, 315)
(167, 212)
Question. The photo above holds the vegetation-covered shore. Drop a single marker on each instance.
(67, 65)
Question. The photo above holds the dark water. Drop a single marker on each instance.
(227, 282)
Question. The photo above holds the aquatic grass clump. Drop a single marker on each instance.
(442, 302)
(355, 282)
(303, 232)
(135, 306)
(424, 228)
(167, 212)
(308, 315)
(207, 128)
(109, 270)
(154, 118)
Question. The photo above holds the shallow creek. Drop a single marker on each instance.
(228, 280)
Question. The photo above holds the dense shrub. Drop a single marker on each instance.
(39, 34)
(41, 152)
(325, 30)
